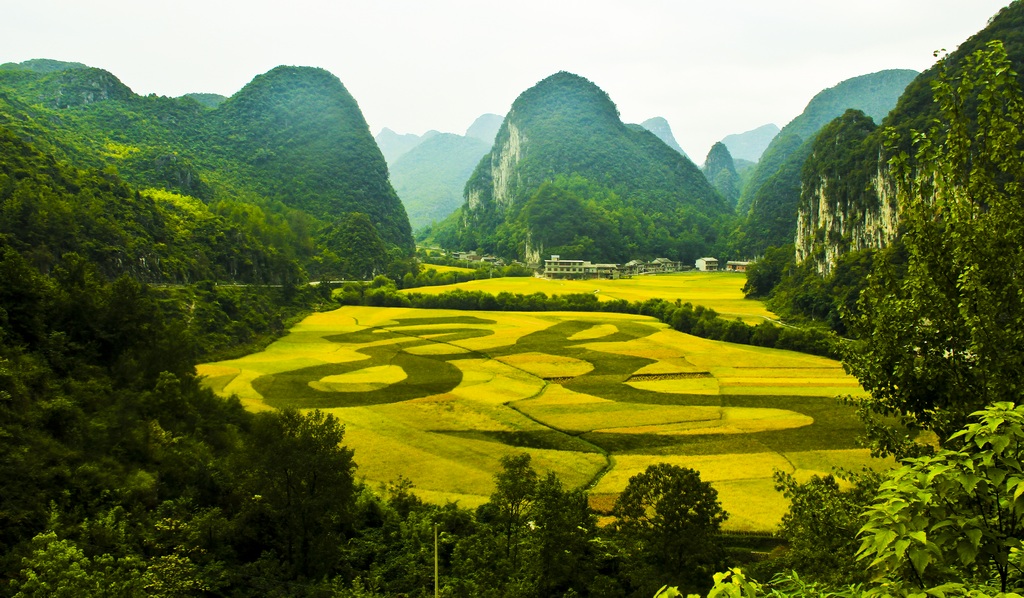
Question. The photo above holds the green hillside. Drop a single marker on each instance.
(290, 150)
(566, 175)
(769, 199)
(430, 177)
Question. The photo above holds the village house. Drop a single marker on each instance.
(633, 268)
(707, 264)
(663, 265)
(557, 268)
(736, 266)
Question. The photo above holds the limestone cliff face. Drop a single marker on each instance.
(503, 167)
(534, 252)
(847, 202)
(492, 189)
(828, 227)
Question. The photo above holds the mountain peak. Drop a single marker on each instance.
(566, 94)
(485, 127)
(566, 175)
(660, 127)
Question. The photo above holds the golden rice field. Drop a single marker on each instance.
(440, 396)
(443, 269)
(720, 291)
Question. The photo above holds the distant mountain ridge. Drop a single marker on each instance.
(660, 127)
(750, 144)
(42, 66)
(485, 127)
(430, 177)
(430, 171)
(392, 145)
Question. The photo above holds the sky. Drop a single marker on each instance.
(710, 67)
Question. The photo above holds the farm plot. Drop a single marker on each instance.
(440, 396)
(721, 291)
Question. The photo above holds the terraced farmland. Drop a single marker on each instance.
(439, 396)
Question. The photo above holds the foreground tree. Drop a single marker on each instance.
(955, 518)
(300, 491)
(943, 315)
(670, 520)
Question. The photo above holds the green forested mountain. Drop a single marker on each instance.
(720, 171)
(769, 200)
(291, 150)
(660, 127)
(303, 141)
(751, 144)
(430, 177)
(831, 221)
(565, 175)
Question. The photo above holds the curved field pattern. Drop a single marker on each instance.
(440, 396)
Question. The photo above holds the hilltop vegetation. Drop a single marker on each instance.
(565, 174)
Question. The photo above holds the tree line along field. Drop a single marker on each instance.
(439, 396)
(720, 291)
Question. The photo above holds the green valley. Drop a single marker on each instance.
(228, 368)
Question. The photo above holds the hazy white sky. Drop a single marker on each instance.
(711, 67)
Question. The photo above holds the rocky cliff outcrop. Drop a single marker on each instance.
(828, 227)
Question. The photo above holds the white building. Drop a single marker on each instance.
(707, 264)
(556, 267)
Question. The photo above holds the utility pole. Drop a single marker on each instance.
(436, 593)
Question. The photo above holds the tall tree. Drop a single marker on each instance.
(513, 495)
(669, 520)
(300, 489)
